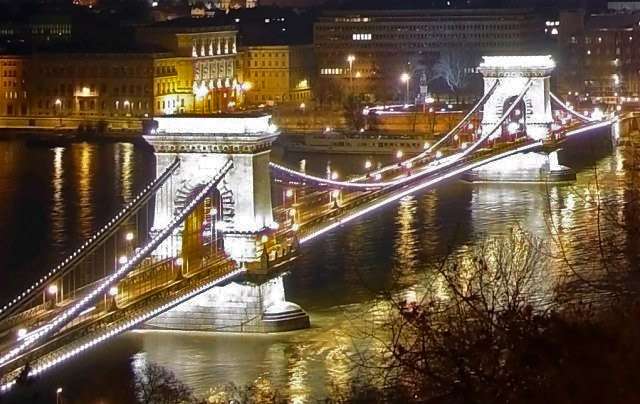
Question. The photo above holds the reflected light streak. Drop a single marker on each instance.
(58, 230)
(406, 239)
(83, 154)
(298, 378)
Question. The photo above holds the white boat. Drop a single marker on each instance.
(360, 143)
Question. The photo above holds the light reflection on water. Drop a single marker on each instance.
(335, 278)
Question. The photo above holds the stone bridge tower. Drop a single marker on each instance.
(203, 145)
(514, 72)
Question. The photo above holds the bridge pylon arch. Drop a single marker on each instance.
(204, 145)
(513, 74)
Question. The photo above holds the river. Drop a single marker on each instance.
(53, 197)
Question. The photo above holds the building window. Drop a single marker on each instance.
(361, 37)
(331, 71)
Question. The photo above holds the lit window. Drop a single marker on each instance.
(361, 37)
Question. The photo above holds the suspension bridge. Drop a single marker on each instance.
(207, 218)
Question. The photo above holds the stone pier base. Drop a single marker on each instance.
(236, 308)
(526, 167)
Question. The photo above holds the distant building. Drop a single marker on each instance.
(278, 74)
(216, 82)
(13, 87)
(234, 4)
(90, 85)
(386, 43)
(624, 5)
(598, 55)
(173, 85)
(278, 61)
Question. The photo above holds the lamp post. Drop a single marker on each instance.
(58, 392)
(351, 59)
(406, 78)
(58, 109)
(213, 213)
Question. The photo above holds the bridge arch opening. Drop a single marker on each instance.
(517, 120)
(201, 234)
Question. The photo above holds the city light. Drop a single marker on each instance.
(113, 291)
(405, 77)
(129, 236)
(289, 193)
(597, 114)
(22, 332)
(399, 154)
(52, 289)
(367, 164)
(334, 175)
(179, 261)
(122, 260)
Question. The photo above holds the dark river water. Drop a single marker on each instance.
(51, 198)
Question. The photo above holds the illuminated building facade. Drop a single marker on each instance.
(234, 4)
(277, 74)
(386, 43)
(13, 90)
(172, 83)
(91, 85)
(216, 83)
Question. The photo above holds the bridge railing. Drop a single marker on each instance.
(110, 323)
(68, 315)
(90, 245)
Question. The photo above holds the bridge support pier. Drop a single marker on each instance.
(527, 167)
(236, 308)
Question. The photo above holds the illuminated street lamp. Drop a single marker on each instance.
(399, 154)
(406, 78)
(200, 92)
(351, 59)
(367, 164)
(213, 214)
(52, 290)
(129, 236)
(58, 392)
(334, 175)
(113, 291)
(513, 127)
(58, 105)
(334, 195)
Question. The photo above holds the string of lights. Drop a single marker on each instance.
(66, 316)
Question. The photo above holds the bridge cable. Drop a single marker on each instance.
(63, 318)
(93, 242)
